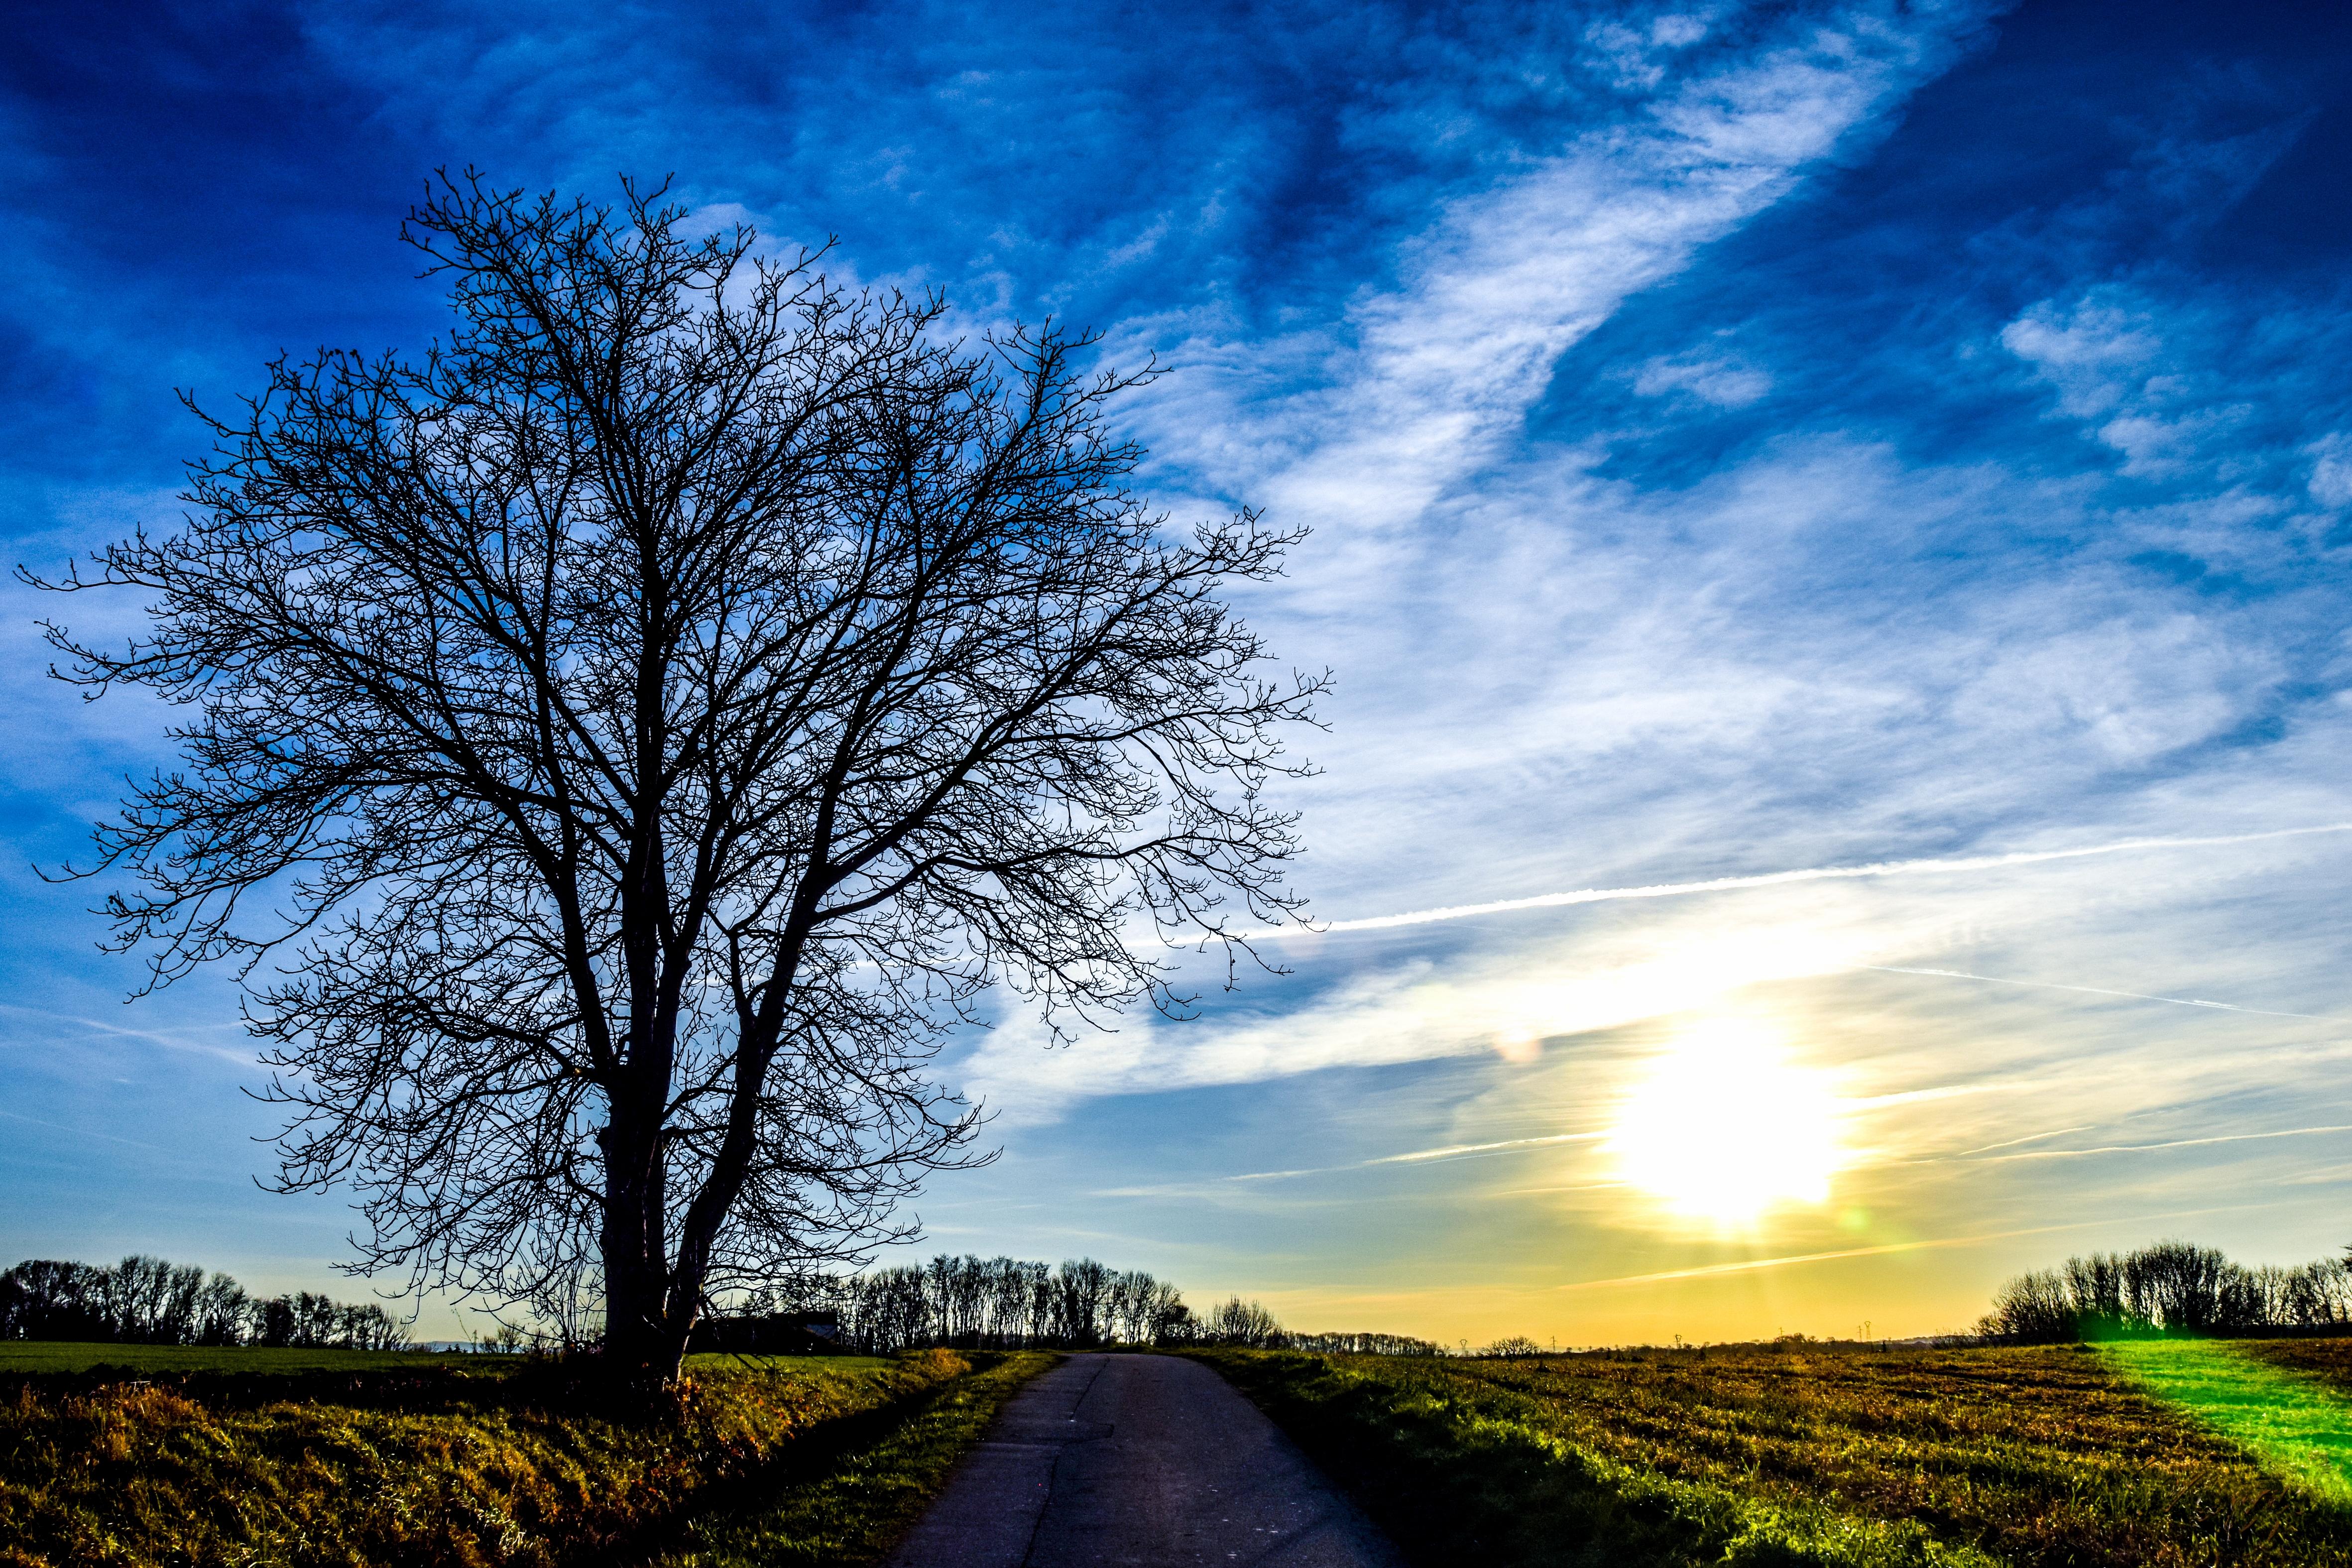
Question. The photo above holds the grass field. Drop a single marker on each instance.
(844, 1504)
(2295, 1423)
(265, 1458)
(2165, 1454)
(66, 1356)
(43, 1355)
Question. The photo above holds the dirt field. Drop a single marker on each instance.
(2169, 1453)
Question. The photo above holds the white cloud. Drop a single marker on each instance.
(2093, 351)
(2134, 688)
(1677, 31)
(2157, 402)
(1423, 382)
(1725, 382)
(1572, 682)
(2331, 471)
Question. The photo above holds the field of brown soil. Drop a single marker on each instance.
(2042, 1457)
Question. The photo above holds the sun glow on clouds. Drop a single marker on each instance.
(1803, 625)
(1725, 1125)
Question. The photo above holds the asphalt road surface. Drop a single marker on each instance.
(1138, 1459)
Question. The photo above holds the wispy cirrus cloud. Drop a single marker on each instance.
(1365, 422)
(1536, 971)
(1953, 866)
(1742, 449)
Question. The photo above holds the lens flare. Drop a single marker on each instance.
(1724, 1126)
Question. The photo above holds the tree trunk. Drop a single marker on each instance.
(641, 1350)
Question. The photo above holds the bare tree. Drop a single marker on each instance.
(1240, 1323)
(637, 729)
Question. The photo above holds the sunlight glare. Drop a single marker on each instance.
(1723, 1125)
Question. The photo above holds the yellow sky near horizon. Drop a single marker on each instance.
(1877, 1104)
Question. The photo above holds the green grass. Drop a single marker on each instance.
(38, 1355)
(419, 1460)
(830, 1365)
(2291, 1420)
(843, 1504)
(1838, 1456)
(42, 1355)
(83, 1357)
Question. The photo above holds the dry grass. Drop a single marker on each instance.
(2330, 1360)
(431, 1467)
(2037, 1458)
(847, 1503)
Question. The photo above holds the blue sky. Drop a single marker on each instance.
(1738, 440)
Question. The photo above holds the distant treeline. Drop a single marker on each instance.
(148, 1301)
(1002, 1303)
(978, 1303)
(2169, 1288)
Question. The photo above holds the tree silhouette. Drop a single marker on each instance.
(641, 725)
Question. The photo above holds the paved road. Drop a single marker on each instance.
(1138, 1459)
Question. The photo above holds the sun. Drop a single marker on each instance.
(1724, 1126)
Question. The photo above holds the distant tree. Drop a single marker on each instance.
(1173, 1322)
(992, 1303)
(150, 1301)
(147, 1301)
(652, 717)
(507, 1338)
(2168, 1286)
(1128, 1307)
(1080, 1285)
(2093, 1295)
(1345, 1343)
(48, 1299)
(1240, 1323)
(274, 1323)
(222, 1311)
(2034, 1308)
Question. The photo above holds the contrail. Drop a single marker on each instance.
(1449, 1152)
(1779, 878)
(2171, 1143)
(85, 1132)
(2005, 1143)
(169, 1042)
(1421, 1156)
(2101, 991)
